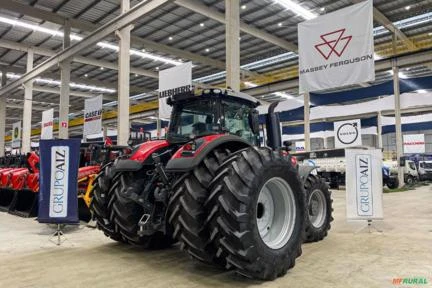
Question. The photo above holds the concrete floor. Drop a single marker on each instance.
(343, 259)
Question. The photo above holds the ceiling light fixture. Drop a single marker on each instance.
(296, 8)
(47, 81)
(243, 7)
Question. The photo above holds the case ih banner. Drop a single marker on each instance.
(92, 116)
(58, 201)
(364, 184)
(337, 49)
(347, 133)
(172, 81)
(414, 143)
(16, 135)
(47, 124)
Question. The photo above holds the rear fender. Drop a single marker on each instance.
(183, 162)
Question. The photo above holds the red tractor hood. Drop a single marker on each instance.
(147, 149)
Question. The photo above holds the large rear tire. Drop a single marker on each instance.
(186, 211)
(99, 203)
(257, 222)
(319, 207)
(125, 214)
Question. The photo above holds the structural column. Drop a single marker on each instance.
(27, 112)
(379, 130)
(2, 116)
(232, 35)
(398, 125)
(307, 121)
(65, 67)
(123, 80)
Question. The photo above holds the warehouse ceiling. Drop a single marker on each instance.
(176, 33)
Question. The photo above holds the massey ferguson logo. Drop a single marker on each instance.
(333, 42)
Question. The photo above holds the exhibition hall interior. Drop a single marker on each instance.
(215, 143)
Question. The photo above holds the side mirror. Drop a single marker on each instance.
(254, 121)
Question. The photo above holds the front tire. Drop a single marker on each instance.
(319, 207)
(125, 214)
(259, 220)
(99, 203)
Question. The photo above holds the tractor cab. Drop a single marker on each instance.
(213, 112)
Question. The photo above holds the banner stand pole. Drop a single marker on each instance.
(370, 226)
(58, 235)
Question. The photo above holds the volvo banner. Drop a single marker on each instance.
(16, 135)
(92, 116)
(347, 133)
(47, 124)
(175, 80)
(364, 184)
(58, 200)
(337, 49)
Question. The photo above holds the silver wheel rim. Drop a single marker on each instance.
(317, 207)
(276, 213)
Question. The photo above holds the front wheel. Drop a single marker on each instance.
(125, 214)
(258, 224)
(319, 207)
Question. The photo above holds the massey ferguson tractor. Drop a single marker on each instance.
(211, 187)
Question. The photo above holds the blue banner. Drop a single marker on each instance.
(58, 198)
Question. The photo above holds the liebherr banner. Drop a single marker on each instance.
(172, 81)
(337, 49)
(92, 116)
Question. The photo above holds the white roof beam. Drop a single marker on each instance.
(214, 14)
(88, 26)
(383, 20)
(103, 31)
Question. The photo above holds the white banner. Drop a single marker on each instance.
(299, 146)
(337, 49)
(172, 81)
(92, 116)
(364, 184)
(16, 135)
(347, 133)
(414, 143)
(47, 124)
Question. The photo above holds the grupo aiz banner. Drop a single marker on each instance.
(47, 124)
(337, 49)
(92, 116)
(364, 184)
(175, 80)
(58, 198)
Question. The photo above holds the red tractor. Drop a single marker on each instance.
(211, 187)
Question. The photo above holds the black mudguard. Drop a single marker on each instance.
(305, 170)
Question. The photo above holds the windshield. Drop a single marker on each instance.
(236, 116)
(193, 119)
(427, 165)
(412, 165)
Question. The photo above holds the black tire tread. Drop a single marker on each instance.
(226, 220)
(312, 234)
